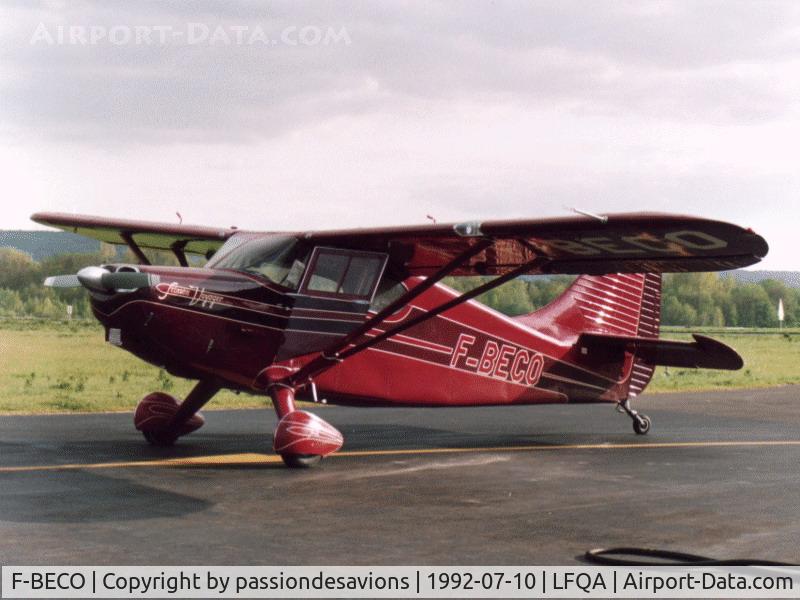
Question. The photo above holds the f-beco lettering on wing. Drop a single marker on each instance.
(679, 243)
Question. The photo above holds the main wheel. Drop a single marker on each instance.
(154, 415)
(641, 424)
(300, 461)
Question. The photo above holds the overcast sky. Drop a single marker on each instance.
(319, 115)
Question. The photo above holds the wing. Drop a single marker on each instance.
(190, 239)
(632, 243)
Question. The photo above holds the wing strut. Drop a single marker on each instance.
(325, 361)
(177, 250)
(128, 238)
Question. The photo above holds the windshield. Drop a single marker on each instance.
(281, 259)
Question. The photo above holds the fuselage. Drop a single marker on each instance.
(204, 323)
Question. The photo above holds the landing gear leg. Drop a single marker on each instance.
(197, 398)
(162, 419)
(641, 422)
(301, 438)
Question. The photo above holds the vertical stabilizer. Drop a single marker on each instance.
(615, 304)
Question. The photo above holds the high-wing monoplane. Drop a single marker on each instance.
(362, 317)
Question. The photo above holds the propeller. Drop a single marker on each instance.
(101, 280)
(62, 281)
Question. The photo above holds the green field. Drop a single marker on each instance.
(770, 358)
(60, 367)
(55, 367)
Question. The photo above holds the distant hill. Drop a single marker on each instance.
(790, 278)
(42, 244)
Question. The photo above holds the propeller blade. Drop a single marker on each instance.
(62, 281)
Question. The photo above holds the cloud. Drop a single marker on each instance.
(679, 61)
(459, 110)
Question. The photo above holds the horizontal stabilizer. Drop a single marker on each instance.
(703, 353)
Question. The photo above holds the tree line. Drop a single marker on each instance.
(22, 293)
(688, 299)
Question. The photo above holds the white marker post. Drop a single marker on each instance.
(780, 313)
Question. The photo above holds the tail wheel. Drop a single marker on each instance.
(641, 424)
(301, 461)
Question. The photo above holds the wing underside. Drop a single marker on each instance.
(188, 239)
(625, 243)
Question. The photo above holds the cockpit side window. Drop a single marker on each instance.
(361, 275)
(328, 272)
(336, 272)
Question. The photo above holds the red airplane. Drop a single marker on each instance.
(361, 316)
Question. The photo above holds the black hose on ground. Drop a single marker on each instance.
(664, 558)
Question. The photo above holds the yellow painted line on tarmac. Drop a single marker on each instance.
(189, 461)
(543, 447)
(254, 458)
